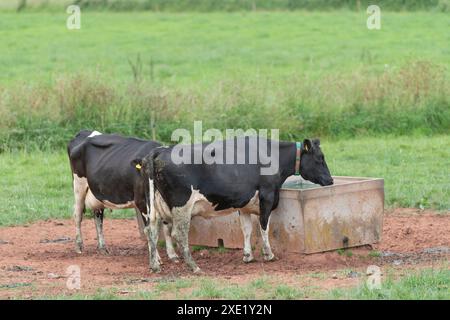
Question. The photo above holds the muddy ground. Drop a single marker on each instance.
(34, 258)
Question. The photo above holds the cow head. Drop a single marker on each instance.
(312, 163)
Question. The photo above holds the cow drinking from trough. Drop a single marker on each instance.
(178, 191)
(103, 178)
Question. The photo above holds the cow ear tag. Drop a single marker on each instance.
(306, 147)
(138, 166)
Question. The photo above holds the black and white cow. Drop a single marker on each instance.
(103, 178)
(176, 192)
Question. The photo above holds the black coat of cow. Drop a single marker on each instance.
(103, 178)
(103, 159)
(224, 186)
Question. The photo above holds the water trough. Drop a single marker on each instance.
(309, 218)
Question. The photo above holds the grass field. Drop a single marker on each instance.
(379, 101)
(200, 49)
(307, 73)
(38, 186)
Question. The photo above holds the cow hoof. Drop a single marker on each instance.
(103, 251)
(198, 271)
(175, 259)
(156, 269)
(79, 248)
(248, 259)
(269, 258)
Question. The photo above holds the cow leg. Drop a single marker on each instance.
(167, 229)
(80, 188)
(267, 251)
(266, 203)
(98, 217)
(180, 232)
(141, 224)
(247, 227)
(152, 232)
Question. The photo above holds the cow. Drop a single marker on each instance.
(178, 191)
(102, 178)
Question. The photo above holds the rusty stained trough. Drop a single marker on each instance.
(308, 219)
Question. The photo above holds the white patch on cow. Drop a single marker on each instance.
(151, 206)
(267, 251)
(92, 202)
(204, 208)
(199, 205)
(247, 228)
(94, 133)
(110, 205)
(80, 188)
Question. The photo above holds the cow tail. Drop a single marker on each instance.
(151, 198)
(152, 176)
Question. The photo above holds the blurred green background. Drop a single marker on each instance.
(378, 99)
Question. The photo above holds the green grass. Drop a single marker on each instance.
(415, 284)
(415, 169)
(374, 254)
(308, 73)
(345, 252)
(226, 5)
(201, 49)
(427, 284)
(38, 185)
(260, 288)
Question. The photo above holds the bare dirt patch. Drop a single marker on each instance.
(34, 258)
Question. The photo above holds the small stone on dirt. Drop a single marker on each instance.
(204, 253)
(353, 274)
(4, 241)
(397, 262)
(334, 276)
(52, 275)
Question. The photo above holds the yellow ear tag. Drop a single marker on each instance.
(138, 166)
(306, 147)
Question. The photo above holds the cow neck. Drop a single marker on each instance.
(288, 153)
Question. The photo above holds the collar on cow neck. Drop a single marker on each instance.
(298, 153)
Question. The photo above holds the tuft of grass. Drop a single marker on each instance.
(285, 292)
(208, 289)
(195, 248)
(212, 289)
(426, 284)
(345, 252)
(374, 254)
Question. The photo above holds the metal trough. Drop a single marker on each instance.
(309, 218)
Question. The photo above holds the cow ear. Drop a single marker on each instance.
(316, 142)
(307, 145)
(137, 163)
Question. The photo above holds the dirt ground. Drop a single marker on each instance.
(34, 258)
